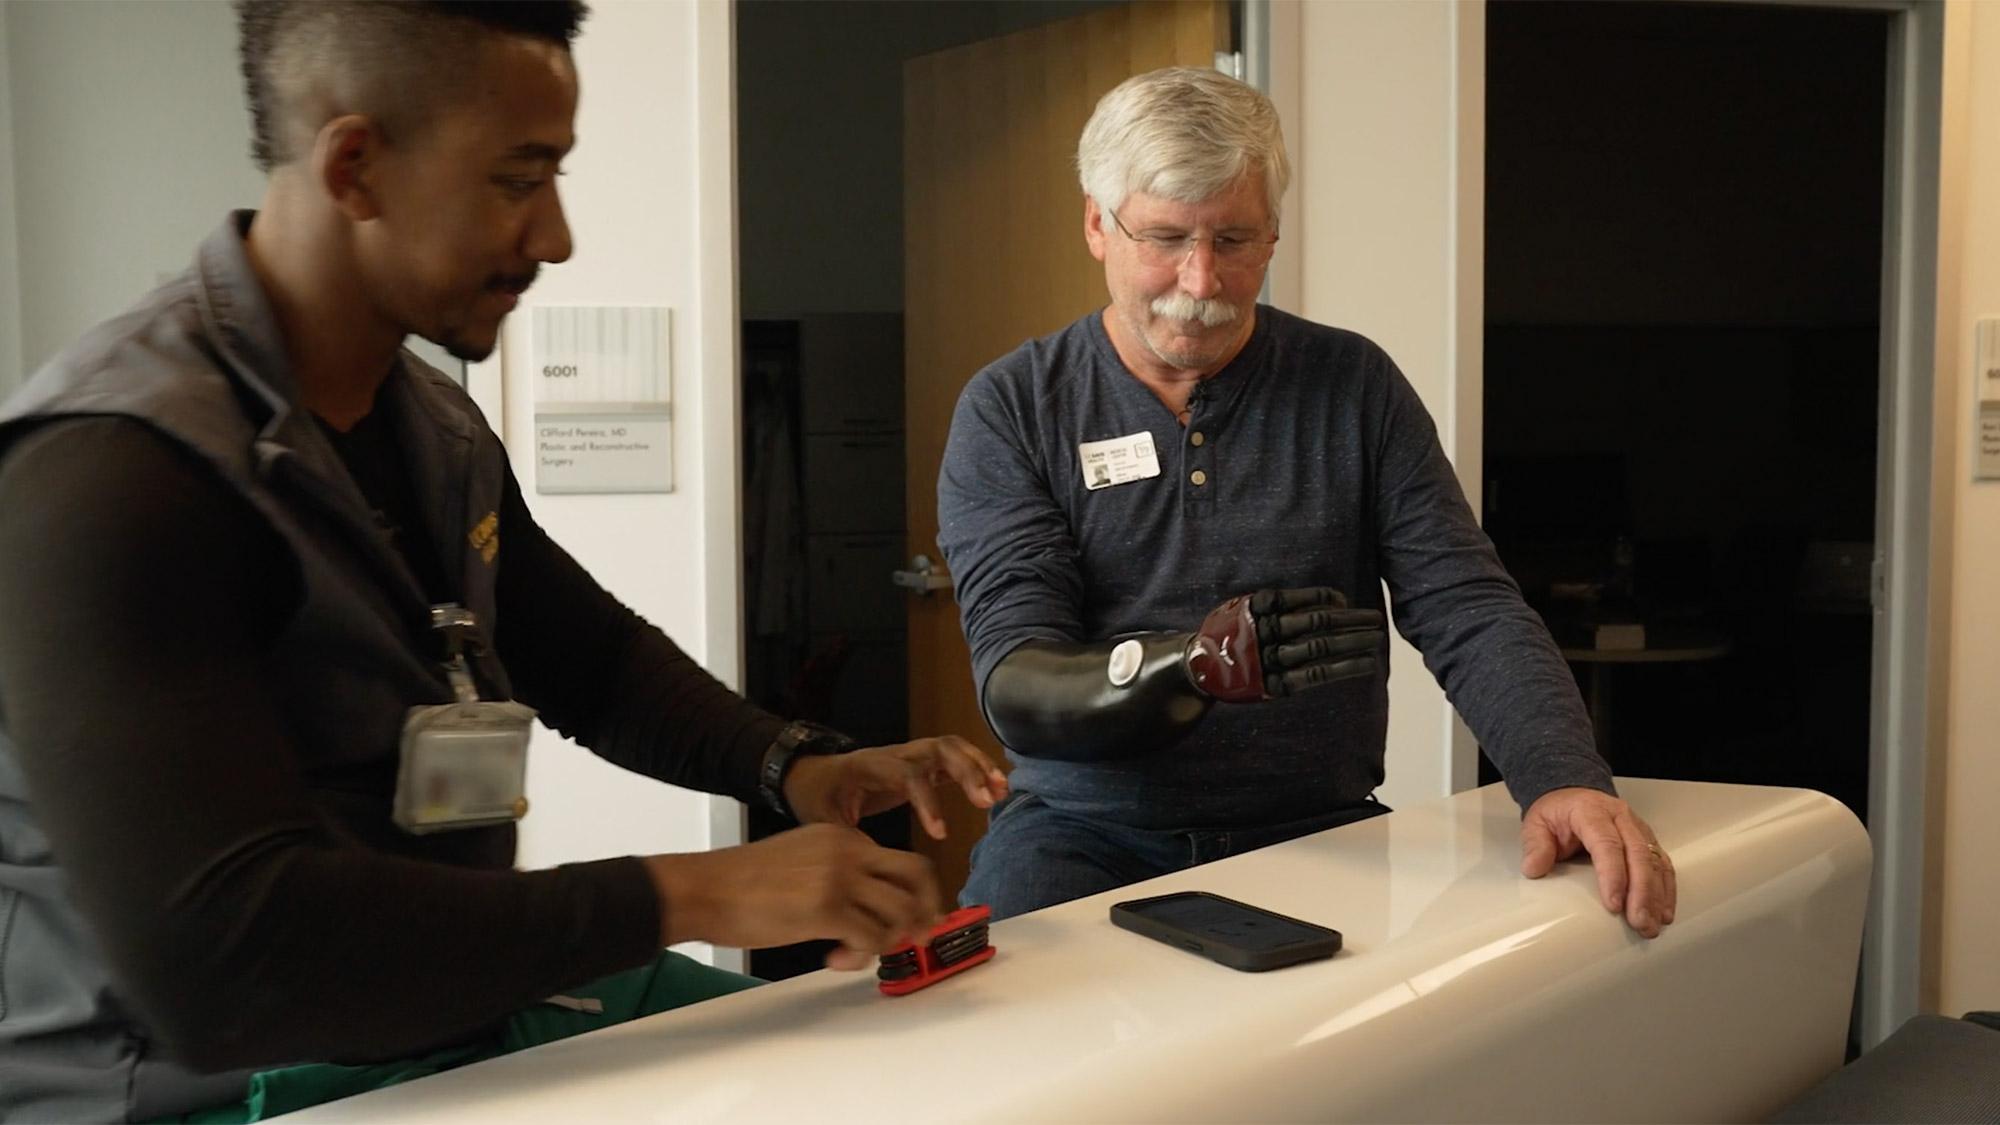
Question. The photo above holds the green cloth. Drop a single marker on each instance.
(669, 982)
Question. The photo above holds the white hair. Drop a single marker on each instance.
(1183, 133)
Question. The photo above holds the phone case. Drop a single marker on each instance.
(1225, 931)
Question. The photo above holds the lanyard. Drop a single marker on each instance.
(459, 629)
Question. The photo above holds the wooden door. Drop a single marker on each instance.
(993, 254)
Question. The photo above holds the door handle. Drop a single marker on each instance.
(923, 576)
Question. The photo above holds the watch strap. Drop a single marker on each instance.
(796, 739)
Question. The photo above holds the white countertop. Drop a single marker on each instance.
(1464, 992)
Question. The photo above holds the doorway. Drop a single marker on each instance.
(839, 468)
(1721, 284)
(1683, 293)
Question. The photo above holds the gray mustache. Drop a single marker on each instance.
(1209, 311)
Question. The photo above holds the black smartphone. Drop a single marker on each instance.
(1223, 930)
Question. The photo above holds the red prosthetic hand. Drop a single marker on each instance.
(1280, 642)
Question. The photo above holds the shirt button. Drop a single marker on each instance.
(1198, 477)
(1195, 438)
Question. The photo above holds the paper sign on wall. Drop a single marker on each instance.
(603, 399)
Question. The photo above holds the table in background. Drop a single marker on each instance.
(1672, 646)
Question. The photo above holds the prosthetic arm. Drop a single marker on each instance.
(1117, 698)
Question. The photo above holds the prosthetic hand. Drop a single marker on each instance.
(1112, 699)
(1280, 642)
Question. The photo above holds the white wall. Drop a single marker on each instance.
(130, 142)
(642, 199)
(1390, 103)
(1969, 288)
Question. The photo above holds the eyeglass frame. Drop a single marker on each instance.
(1194, 240)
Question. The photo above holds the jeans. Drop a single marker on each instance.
(1034, 856)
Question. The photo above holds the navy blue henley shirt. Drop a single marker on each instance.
(1307, 461)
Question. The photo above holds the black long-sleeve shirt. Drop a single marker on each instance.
(138, 599)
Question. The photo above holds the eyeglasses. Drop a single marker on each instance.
(1171, 250)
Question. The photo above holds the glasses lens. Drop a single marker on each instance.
(1157, 251)
(1168, 251)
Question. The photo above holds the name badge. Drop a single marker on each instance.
(464, 765)
(1119, 460)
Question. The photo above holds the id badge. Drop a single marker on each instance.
(464, 765)
(1118, 460)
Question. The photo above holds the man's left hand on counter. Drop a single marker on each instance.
(1635, 876)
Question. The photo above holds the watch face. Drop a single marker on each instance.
(811, 738)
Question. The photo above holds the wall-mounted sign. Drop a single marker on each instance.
(603, 399)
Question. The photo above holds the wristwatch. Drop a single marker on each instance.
(798, 737)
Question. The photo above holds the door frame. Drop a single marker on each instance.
(1908, 669)
(721, 387)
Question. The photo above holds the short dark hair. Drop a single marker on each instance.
(383, 56)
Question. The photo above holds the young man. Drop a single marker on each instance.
(1273, 469)
(264, 576)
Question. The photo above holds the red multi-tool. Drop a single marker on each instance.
(956, 944)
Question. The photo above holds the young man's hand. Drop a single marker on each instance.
(843, 788)
(819, 881)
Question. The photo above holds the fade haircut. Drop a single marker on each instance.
(1183, 133)
(308, 61)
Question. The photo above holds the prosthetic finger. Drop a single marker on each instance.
(1313, 675)
(1263, 603)
(1320, 649)
(1290, 626)
(1088, 702)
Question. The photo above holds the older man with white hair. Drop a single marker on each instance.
(1187, 498)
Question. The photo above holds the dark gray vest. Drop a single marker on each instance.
(201, 361)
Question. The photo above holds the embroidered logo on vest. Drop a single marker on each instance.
(485, 537)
